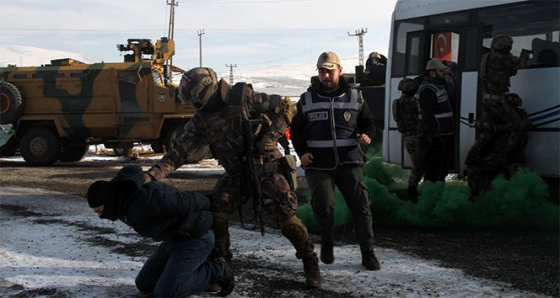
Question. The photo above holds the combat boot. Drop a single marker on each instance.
(327, 255)
(412, 194)
(369, 260)
(312, 272)
(227, 278)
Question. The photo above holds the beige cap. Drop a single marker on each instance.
(435, 63)
(328, 60)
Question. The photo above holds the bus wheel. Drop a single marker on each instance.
(40, 146)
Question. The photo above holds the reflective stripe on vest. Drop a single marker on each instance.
(442, 110)
(330, 128)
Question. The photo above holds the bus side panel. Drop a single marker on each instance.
(539, 90)
(467, 133)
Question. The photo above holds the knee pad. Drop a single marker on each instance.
(294, 230)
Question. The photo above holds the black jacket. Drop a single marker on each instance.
(365, 123)
(159, 210)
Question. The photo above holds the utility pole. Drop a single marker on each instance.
(171, 30)
(200, 33)
(231, 66)
(172, 5)
(360, 33)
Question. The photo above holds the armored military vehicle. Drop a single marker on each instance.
(58, 110)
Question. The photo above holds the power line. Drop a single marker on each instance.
(200, 33)
(360, 34)
(231, 66)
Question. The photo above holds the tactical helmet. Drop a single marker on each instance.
(198, 86)
(502, 43)
(408, 86)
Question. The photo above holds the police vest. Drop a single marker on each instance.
(331, 129)
(442, 110)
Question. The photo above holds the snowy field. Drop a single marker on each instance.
(50, 247)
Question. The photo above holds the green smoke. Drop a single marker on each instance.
(520, 203)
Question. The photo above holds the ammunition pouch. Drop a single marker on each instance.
(286, 166)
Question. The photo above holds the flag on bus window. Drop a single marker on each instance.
(442, 46)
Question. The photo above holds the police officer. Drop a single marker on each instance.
(435, 121)
(222, 115)
(331, 123)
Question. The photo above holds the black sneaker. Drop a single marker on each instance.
(327, 255)
(227, 279)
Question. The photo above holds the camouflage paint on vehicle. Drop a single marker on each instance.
(116, 104)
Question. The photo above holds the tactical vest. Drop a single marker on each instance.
(442, 110)
(224, 130)
(332, 145)
(495, 72)
(405, 113)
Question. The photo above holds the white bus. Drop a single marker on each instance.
(460, 32)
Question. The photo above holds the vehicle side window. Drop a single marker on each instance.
(157, 78)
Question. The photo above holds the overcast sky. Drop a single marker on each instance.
(252, 34)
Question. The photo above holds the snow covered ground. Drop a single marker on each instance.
(53, 245)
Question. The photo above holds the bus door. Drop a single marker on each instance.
(459, 49)
(421, 46)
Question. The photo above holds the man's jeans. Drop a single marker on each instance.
(179, 268)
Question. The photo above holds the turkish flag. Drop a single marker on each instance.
(442, 46)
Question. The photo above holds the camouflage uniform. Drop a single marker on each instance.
(219, 122)
(405, 114)
(499, 149)
(503, 130)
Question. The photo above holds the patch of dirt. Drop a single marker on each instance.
(528, 261)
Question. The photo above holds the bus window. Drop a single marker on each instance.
(534, 30)
(414, 54)
(445, 46)
(400, 45)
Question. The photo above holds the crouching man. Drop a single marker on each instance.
(180, 219)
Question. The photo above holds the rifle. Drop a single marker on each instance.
(254, 170)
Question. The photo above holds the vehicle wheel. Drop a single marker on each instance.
(171, 141)
(158, 147)
(123, 150)
(11, 103)
(10, 148)
(40, 146)
(73, 150)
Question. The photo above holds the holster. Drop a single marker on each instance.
(289, 170)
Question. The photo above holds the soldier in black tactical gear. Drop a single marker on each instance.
(224, 115)
(503, 130)
(405, 114)
(376, 67)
